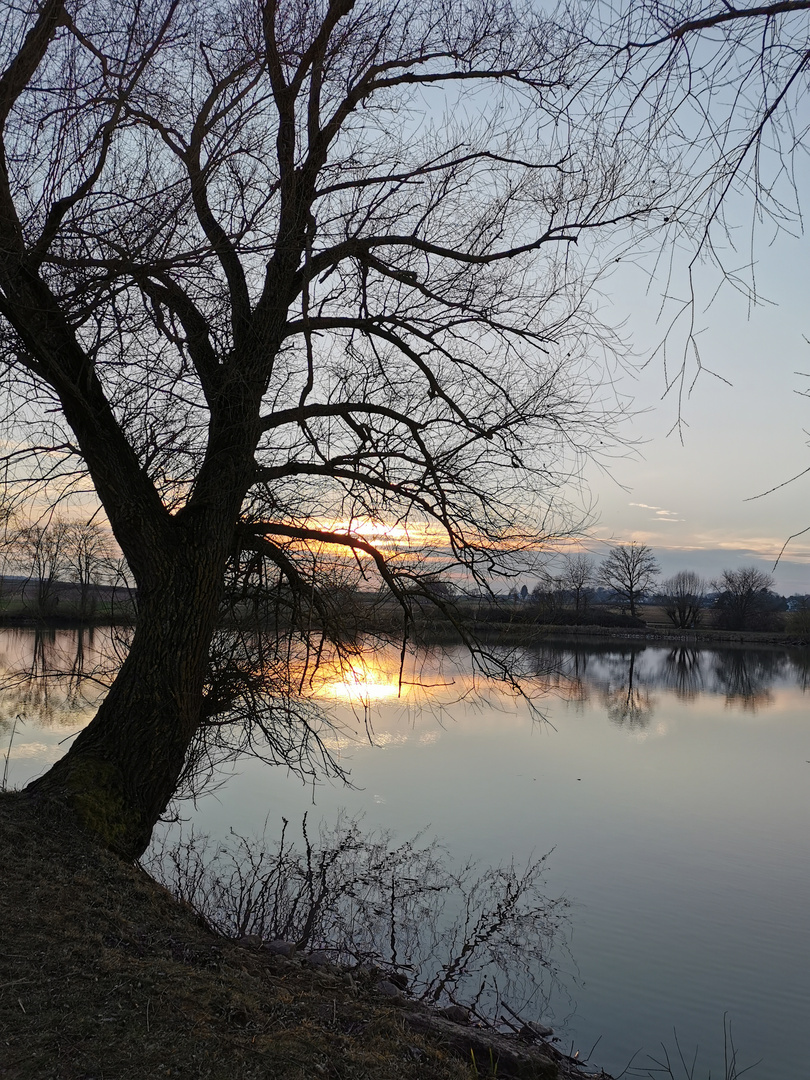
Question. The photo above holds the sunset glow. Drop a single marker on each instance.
(362, 681)
(384, 535)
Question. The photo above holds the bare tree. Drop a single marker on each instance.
(88, 562)
(6, 538)
(630, 571)
(722, 88)
(54, 550)
(724, 85)
(745, 599)
(366, 898)
(40, 551)
(577, 575)
(548, 597)
(685, 598)
(278, 274)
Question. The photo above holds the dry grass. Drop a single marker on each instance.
(104, 975)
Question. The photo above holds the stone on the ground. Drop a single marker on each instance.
(456, 1013)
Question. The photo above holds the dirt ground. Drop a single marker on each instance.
(105, 976)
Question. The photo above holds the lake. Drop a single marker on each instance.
(671, 786)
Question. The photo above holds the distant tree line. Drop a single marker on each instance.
(613, 590)
(57, 566)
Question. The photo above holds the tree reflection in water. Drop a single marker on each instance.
(682, 672)
(57, 676)
(456, 933)
(800, 667)
(453, 934)
(623, 677)
(560, 671)
(627, 700)
(747, 678)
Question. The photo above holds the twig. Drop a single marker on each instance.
(17, 719)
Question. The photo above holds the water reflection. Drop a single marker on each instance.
(361, 683)
(58, 677)
(454, 934)
(746, 679)
(629, 703)
(682, 672)
(623, 676)
(799, 661)
(672, 848)
(55, 676)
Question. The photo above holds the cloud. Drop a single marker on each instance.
(661, 514)
(761, 547)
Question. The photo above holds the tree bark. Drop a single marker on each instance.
(122, 770)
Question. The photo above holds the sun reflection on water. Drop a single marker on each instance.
(360, 681)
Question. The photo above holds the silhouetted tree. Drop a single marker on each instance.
(548, 598)
(272, 272)
(88, 562)
(684, 598)
(630, 571)
(41, 554)
(577, 575)
(745, 600)
(725, 85)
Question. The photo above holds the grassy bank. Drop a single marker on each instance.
(104, 974)
(520, 634)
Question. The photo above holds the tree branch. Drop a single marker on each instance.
(198, 340)
(729, 14)
(325, 536)
(341, 409)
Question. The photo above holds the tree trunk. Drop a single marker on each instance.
(123, 768)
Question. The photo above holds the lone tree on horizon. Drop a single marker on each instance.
(630, 571)
(577, 575)
(269, 273)
(685, 595)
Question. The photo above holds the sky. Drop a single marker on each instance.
(690, 495)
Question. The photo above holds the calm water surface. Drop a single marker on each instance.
(673, 786)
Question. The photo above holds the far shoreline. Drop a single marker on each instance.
(507, 632)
